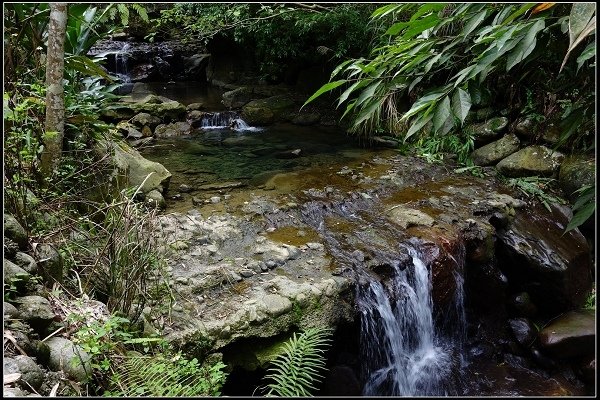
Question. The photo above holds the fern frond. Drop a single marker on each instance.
(295, 371)
(141, 11)
(160, 376)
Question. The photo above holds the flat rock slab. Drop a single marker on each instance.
(571, 335)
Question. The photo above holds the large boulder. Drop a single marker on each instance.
(484, 132)
(15, 276)
(144, 119)
(532, 160)
(173, 129)
(36, 310)
(237, 98)
(195, 66)
(573, 334)
(132, 168)
(267, 111)
(14, 231)
(31, 374)
(576, 172)
(50, 262)
(493, 152)
(26, 262)
(406, 217)
(70, 358)
(158, 106)
(538, 257)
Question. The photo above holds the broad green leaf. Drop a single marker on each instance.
(473, 23)
(417, 126)
(442, 113)
(581, 216)
(461, 104)
(524, 8)
(421, 25)
(383, 11)
(588, 52)
(426, 8)
(424, 101)
(525, 46)
(581, 13)
(396, 28)
(86, 66)
(325, 88)
(591, 27)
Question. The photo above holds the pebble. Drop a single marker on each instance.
(215, 199)
(246, 273)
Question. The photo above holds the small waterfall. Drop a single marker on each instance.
(404, 355)
(226, 120)
(121, 60)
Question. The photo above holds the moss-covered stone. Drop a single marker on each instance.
(493, 152)
(267, 111)
(530, 161)
(576, 172)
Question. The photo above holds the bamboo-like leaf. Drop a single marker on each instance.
(581, 216)
(525, 46)
(522, 10)
(367, 93)
(473, 23)
(325, 88)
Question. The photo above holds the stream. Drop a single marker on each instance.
(416, 332)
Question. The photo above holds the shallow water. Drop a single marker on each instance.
(251, 156)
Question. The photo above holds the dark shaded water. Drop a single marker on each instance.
(251, 156)
(184, 92)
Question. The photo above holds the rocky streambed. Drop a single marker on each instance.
(294, 251)
(290, 254)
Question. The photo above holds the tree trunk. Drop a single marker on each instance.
(55, 98)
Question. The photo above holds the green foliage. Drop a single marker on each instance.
(433, 148)
(584, 206)
(160, 376)
(279, 34)
(539, 188)
(118, 255)
(295, 371)
(100, 339)
(436, 56)
(590, 302)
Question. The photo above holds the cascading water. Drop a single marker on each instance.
(403, 353)
(226, 120)
(121, 59)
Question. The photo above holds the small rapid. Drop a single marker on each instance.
(404, 353)
(226, 120)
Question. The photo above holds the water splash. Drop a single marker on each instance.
(226, 120)
(404, 356)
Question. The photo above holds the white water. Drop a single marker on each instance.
(122, 70)
(403, 354)
(227, 120)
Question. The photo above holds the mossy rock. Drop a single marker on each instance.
(268, 111)
(531, 161)
(493, 152)
(575, 173)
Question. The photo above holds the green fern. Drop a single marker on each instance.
(295, 371)
(167, 377)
